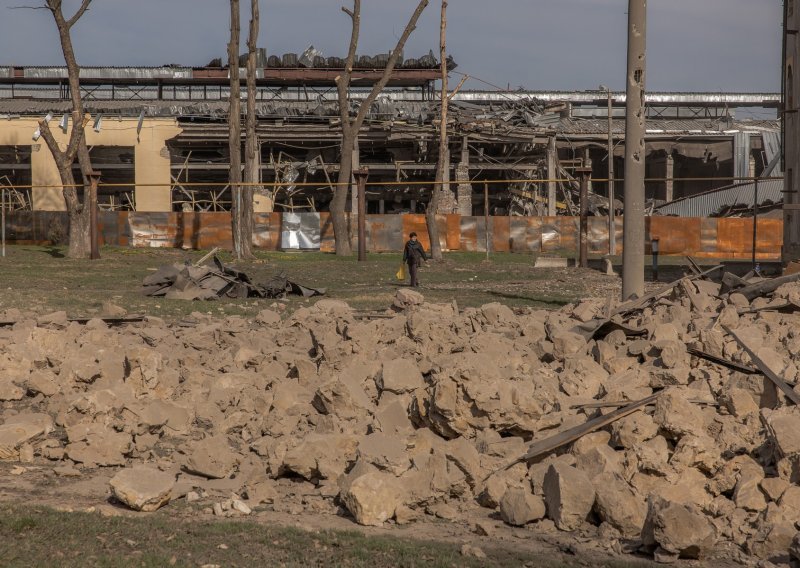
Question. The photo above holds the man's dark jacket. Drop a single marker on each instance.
(414, 253)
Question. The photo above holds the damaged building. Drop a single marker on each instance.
(159, 138)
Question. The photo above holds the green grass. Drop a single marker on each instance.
(34, 536)
(40, 279)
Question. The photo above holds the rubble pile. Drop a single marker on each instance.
(428, 410)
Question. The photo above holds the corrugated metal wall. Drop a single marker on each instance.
(695, 236)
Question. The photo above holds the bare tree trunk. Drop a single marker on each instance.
(351, 126)
(79, 238)
(235, 130)
(444, 155)
(251, 148)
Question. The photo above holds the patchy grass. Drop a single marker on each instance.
(40, 279)
(39, 536)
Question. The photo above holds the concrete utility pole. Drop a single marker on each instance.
(633, 223)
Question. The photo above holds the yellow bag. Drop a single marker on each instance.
(401, 272)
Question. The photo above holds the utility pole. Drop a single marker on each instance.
(612, 237)
(633, 223)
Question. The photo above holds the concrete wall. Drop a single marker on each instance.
(152, 162)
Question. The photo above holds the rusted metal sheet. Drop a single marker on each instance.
(770, 237)
(453, 232)
(266, 230)
(384, 233)
(326, 242)
(551, 234)
(679, 236)
(469, 233)
(708, 235)
(700, 237)
(501, 233)
(526, 234)
(416, 223)
(568, 228)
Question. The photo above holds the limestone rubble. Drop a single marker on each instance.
(417, 413)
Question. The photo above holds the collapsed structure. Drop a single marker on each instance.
(432, 411)
(159, 137)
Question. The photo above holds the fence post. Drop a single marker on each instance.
(3, 222)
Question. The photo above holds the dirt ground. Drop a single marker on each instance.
(50, 518)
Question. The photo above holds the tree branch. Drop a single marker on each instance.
(84, 6)
(387, 73)
(343, 80)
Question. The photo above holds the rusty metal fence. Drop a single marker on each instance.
(696, 236)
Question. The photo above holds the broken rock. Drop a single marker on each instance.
(678, 529)
(519, 507)
(373, 498)
(569, 496)
(143, 488)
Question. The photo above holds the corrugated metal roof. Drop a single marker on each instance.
(715, 202)
(667, 127)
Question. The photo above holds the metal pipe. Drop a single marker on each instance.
(361, 182)
(633, 220)
(584, 174)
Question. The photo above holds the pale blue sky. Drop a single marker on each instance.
(708, 45)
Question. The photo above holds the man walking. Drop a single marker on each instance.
(413, 255)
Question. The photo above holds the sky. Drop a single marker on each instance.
(692, 45)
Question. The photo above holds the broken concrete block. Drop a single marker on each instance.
(9, 390)
(678, 416)
(739, 402)
(373, 498)
(678, 529)
(22, 429)
(268, 318)
(519, 507)
(783, 430)
(399, 376)
(569, 496)
(384, 451)
(774, 487)
(212, 458)
(143, 488)
(618, 504)
(405, 298)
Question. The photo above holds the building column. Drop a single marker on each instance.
(552, 174)
(670, 183)
(587, 163)
(462, 176)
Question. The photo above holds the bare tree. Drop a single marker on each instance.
(235, 129)
(352, 125)
(252, 163)
(79, 215)
(444, 153)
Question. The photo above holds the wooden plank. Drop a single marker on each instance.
(575, 433)
(763, 288)
(724, 362)
(769, 373)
